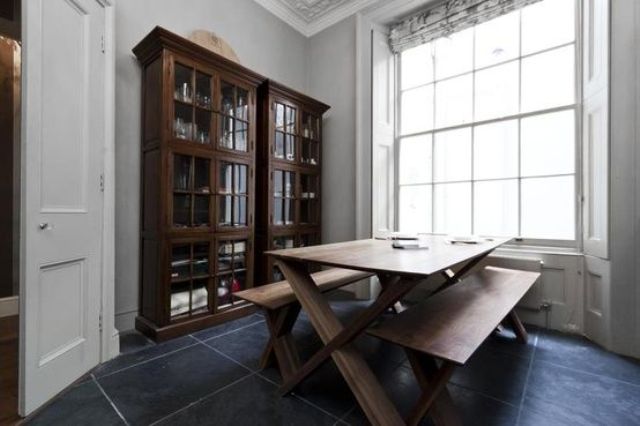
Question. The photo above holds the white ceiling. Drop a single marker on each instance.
(312, 16)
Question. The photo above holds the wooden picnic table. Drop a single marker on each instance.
(399, 271)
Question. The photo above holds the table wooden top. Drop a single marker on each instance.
(379, 256)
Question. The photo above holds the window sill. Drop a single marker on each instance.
(522, 249)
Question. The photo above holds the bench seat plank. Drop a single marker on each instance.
(279, 294)
(452, 324)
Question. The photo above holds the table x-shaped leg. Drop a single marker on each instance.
(337, 338)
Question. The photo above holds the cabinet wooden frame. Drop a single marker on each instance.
(163, 140)
(270, 95)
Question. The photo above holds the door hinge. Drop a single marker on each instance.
(100, 322)
(102, 44)
(101, 182)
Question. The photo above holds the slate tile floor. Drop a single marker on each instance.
(212, 378)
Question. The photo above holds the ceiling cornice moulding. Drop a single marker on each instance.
(309, 17)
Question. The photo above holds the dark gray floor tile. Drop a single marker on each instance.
(473, 408)
(155, 389)
(579, 353)
(80, 405)
(327, 389)
(142, 355)
(505, 341)
(227, 327)
(574, 397)
(134, 341)
(252, 401)
(477, 409)
(245, 346)
(495, 374)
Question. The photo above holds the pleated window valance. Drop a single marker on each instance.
(446, 18)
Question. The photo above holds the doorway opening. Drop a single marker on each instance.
(10, 123)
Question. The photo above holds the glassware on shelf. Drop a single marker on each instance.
(242, 104)
(203, 101)
(181, 128)
(203, 90)
(226, 139)
(181, 172)
(183, 92)
(227, 99)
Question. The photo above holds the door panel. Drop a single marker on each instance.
(63, 141)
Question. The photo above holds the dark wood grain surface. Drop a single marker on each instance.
(452, 324)
(273, 296)
(9, 371)
(380, 257)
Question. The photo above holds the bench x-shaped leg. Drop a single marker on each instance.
(281, 344)
(435, 399)
(337, 339)
(513, 320)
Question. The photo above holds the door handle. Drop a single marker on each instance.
(45, 227)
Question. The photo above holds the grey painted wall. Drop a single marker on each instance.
(625, 180)
(331, 77)
(263, 43)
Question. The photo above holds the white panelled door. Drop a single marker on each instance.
(62, 163)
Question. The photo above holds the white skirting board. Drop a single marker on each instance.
(9, 306)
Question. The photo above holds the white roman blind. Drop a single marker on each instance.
(447, 18)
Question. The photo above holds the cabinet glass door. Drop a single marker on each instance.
(232, 271)
(190, 277)
(234, 118)
(284, 184)
(233, 194)
(286, 137)
(191, 191)
(278, 243)
(309, 206)
(309, 239)
(310, 132)
(193, 91)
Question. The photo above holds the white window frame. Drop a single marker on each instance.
(576, 243)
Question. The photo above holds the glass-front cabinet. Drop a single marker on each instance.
(289, 162)
(198, 185)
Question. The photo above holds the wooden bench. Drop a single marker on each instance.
(450, 326)
(281, 310)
